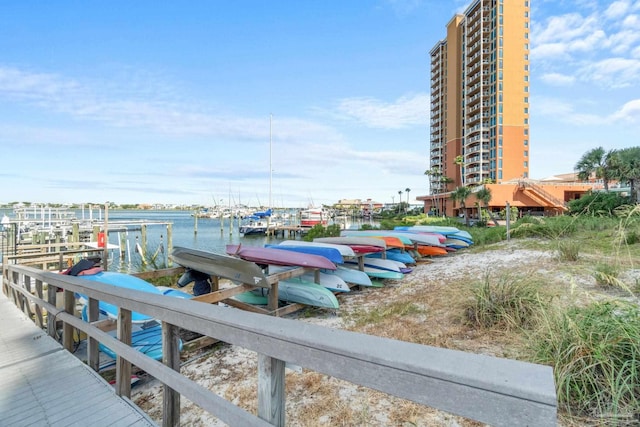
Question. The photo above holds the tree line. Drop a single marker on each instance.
(622, 165)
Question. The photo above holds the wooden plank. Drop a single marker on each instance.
(246, 307)
(39, 294)
(67, 330)
(93, 353)
(123, 366)
(271, 397)
(171, 358)
(222, 294)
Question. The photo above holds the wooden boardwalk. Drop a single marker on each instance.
(44, 385)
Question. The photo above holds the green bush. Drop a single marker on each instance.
(597, 204)
(568, 250)
(509, 300)
(595, 354)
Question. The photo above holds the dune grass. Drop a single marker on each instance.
(595, 353)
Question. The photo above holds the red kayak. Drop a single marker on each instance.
(272, 256)
(365, 249)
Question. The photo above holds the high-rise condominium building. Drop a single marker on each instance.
(480, 96)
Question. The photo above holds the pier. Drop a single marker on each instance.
(492, 390)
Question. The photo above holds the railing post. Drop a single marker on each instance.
(26, 307)
(67, 329)
(271, 397)
(93, 355)
(171, 358)
(123, 366)
(51, 319)
(39, 294)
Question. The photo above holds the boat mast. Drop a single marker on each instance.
(270, 169)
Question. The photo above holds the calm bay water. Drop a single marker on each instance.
(212, 235)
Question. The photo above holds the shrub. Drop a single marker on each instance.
(568, 250)
(595, 354)
(597, 204)
(606, 275)
(508, 300)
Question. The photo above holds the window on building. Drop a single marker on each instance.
(526, 142)
(526, 99)
(526, 153)
(526, 110)
(526, 121)
(526, 164)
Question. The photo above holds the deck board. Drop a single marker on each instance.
(43, 385)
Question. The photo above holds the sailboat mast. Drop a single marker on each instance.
(270, 168)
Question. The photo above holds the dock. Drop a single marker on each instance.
(44, 385)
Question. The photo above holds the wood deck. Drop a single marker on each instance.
(43, 385)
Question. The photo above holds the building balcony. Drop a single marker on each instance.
(484, 137)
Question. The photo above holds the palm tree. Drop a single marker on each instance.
(399, 200)
(484, 195)
(627, 168)
(446, 181)
(459, 160)
(407, 190)
(461, 194)
(598, 162)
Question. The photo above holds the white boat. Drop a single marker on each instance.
(313, 216)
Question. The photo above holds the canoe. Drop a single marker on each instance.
(146, 332)
(353, 240)
(395, 255)
(272, 256)
(377, 272)
(350, 275)
(293, 290)
(330, 281)
(121, 280)
(332, 254)
(376, 234)
(172, 292)
(220, 265)
(456, 243)
(384, 264)
(344, 250)
(444, 230)
(366, 249)
(406, 237)
(425, 250)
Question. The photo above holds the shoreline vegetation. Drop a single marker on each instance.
(562, 291)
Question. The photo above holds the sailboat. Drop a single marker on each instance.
(260, 222)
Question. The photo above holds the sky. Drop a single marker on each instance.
(284, 103)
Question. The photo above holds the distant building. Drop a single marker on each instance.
(480, 97)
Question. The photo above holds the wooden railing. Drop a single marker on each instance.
(497, 391)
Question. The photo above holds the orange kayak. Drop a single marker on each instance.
(425, 250)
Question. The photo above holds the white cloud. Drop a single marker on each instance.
(617, 9)
(135, 108)
(631, 22)
(630, 112)
(563, 111)
(565, 28)
(549, 51)
(557, 79)
(613, 72)
(407, 111)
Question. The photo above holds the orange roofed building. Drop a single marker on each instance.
(529, 196)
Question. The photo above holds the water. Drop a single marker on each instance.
(212, 235)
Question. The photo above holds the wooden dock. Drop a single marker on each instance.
(43, 385)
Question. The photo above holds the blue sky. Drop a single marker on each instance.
(169, 102)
